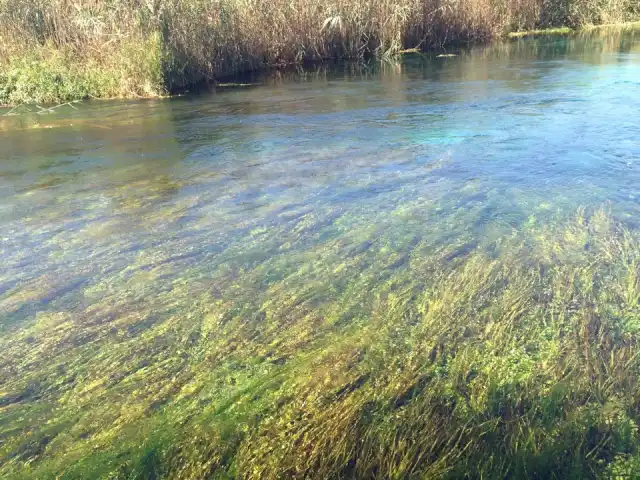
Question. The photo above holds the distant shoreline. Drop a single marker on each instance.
(58, 52)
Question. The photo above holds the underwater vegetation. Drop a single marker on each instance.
(370, 274)
(376, 351)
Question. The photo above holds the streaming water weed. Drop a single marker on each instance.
(369, 355)
(362, 273)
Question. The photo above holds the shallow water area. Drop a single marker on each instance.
(179, 276)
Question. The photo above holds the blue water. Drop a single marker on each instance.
(498, 133)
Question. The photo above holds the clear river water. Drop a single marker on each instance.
(161, 258)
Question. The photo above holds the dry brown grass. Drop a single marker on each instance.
(203, 39)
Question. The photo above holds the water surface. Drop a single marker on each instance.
(160, 256)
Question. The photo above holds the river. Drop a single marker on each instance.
(168, 263)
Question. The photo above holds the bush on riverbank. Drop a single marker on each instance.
(53, 74)
(57, 50)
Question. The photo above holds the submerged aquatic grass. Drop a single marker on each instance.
(352, 276)
(372, 354)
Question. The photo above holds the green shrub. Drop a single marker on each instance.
(49, 74)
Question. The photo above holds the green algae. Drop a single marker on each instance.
(378, 352)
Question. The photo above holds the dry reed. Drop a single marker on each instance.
(60, 50)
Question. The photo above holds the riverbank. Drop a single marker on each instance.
(56, 51)
(569, 30)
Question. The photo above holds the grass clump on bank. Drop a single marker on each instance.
(367, 356)
(57, 50)
(49, 74)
